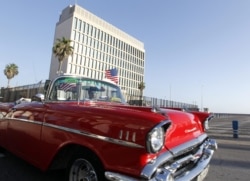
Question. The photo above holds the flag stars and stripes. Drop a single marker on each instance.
(112, 74)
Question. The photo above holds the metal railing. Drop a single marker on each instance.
(152, 101)
(27, 91)
(14, 93)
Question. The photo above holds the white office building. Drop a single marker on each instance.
(99, 46)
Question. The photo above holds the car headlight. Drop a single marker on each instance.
(206, 122)
(206, 125)
(155, 139)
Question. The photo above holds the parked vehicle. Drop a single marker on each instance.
(84, 126)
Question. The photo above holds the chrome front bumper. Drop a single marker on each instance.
(164, 169)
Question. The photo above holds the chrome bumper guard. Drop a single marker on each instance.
(161, 169)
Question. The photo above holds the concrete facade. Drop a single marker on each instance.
(99, 46)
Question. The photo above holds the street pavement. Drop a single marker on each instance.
(231, 162)
(15, 169)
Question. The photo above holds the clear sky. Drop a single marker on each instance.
(197, 51)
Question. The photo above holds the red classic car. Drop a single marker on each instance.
(84, 126)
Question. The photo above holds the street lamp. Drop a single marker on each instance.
(201, 97)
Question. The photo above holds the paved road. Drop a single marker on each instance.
(231, 162)
(15, 169)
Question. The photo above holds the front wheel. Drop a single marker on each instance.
(85, 167)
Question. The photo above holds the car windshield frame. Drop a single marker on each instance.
(73, 88)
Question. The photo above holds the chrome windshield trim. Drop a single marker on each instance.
(95, 136)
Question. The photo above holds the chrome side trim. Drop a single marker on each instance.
(126, 135)
(27, 121)
(95, 136)
(83, 133)
(118, 177)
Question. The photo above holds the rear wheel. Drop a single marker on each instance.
(85, 167)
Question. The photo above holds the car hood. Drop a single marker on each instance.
(185, 126)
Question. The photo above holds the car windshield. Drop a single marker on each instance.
(75, 88)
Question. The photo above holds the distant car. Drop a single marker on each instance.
(84, 126)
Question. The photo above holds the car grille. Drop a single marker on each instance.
(183, 162)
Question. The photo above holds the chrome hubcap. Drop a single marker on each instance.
(82, 170)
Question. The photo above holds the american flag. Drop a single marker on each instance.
(67, 86)
(112, 75)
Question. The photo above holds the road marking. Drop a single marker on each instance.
(234, 142)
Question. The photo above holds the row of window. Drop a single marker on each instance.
(134, 74)
(96, 62)
(82, 46)
(88, 33)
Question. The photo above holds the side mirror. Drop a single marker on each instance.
(38, 97)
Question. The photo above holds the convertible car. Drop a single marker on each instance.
(85, 127)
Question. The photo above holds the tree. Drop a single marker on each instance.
(141, 87)
(11, 70)
(62, 50)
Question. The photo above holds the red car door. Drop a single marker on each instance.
(24, 130)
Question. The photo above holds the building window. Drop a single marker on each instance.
(97, 33)
(87, 62)
(89, 73)
(80, 49)
(93, 32)
(90, 30)
(83, 27)
(80, 25)
(76, 47)
(74, 35)
(86, 28)
(83, 71)
(100, 35)
(83, 61)
(75, 23)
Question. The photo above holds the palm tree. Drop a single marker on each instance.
(141, 87)
(62, 50)
(11, 70)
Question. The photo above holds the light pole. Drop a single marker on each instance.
(201, 97)
(170, 95)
